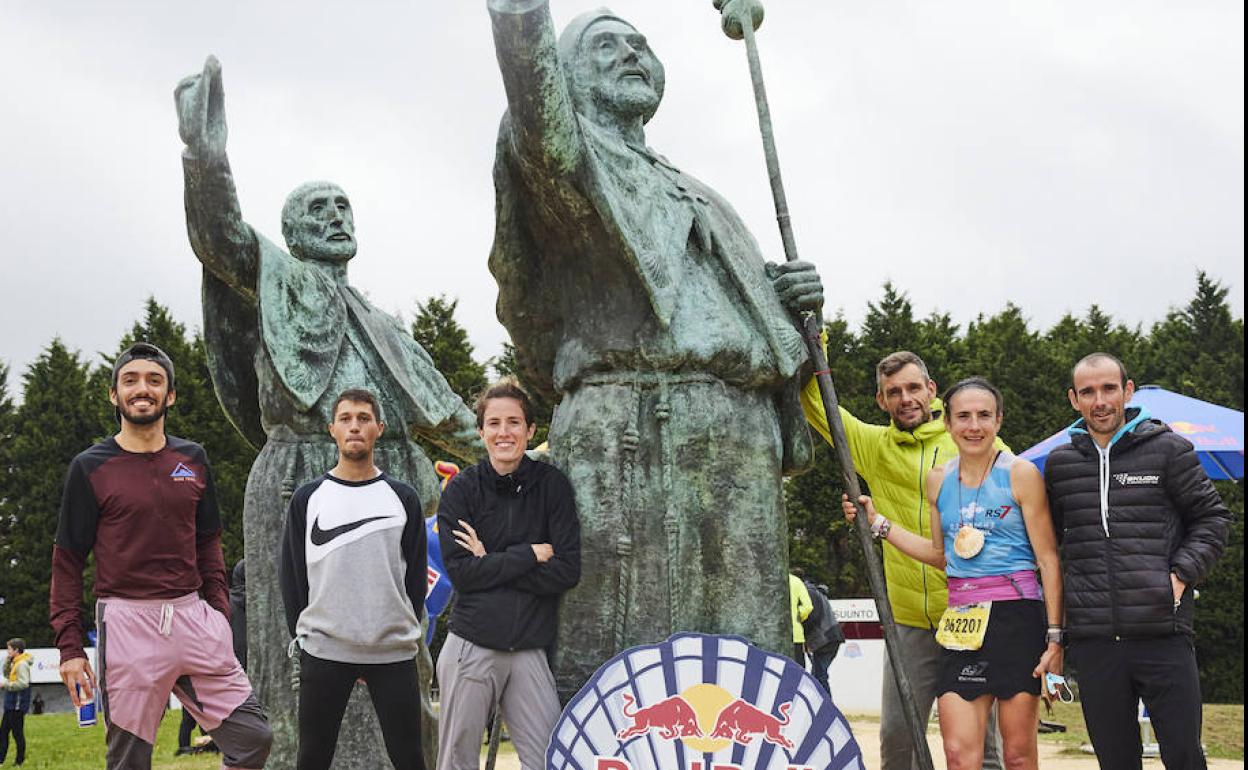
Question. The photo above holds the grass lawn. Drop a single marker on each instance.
(56, 742)
(1223, 729)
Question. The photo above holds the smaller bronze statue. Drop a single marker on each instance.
(285, 334)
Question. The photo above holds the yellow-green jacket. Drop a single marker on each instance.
(895, 464)
(799, 607)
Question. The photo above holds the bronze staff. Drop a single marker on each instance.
(740, 18)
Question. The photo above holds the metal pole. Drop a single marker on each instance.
(496, 733)
(810, 327)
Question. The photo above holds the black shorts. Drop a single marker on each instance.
(1002, 667)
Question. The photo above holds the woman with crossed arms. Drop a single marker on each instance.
(990, 529)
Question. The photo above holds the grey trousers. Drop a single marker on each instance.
(922, 657)
(472, 679)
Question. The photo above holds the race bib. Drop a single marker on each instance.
(963, 627)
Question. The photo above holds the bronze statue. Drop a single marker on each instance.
(285, 334)
(636, 296)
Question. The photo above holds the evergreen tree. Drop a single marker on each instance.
(58, 418)
(7, 517)
(436, 329)
(1198, 350)
(1072, 338)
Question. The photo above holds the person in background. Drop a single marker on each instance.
(823, 634)
(16, 684)
(799, 609)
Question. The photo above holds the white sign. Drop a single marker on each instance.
(46, 666)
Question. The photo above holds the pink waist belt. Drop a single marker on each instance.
(994, 588)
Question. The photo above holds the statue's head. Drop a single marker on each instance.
(610, 67)
(317, 223)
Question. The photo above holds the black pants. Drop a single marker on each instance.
(324, 688)
(1113, 675)
(13, 722)
(185, 728)
(819, 662)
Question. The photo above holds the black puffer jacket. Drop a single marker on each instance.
(506, 600)
(1126, 523)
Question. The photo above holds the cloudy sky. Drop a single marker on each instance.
(1053, 154)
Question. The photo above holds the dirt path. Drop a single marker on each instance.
(868, 736)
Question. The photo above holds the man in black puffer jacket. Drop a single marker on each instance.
(1139, 524)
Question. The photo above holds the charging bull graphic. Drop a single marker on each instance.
(740, 722)
(673, 718)
(700, 702)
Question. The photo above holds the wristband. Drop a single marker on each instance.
(880, 528)
(1055, 635)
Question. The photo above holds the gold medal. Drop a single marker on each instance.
(968, 542)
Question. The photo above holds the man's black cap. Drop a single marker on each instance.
(144, 351)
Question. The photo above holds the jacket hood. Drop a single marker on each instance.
(925, 432)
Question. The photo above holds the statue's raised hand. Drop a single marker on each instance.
(732, 12)
(201, 111)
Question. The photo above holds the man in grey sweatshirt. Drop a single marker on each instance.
(352, 575)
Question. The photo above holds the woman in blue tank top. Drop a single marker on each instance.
(991, 530)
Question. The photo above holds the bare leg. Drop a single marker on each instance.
(1017, 716)
(963, 724)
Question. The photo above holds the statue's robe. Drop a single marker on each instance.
(635, 295)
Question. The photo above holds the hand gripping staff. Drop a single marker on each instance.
(740, 19)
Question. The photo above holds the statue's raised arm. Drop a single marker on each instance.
(222, 241)
(542, 116)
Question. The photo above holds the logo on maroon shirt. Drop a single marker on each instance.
(182, 473)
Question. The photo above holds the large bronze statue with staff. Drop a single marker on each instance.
(635, 293)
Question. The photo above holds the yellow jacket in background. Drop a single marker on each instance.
(800, 607)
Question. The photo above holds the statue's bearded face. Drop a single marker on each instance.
(621, 74)
(318, 224)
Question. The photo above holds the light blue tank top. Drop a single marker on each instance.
(992, 510)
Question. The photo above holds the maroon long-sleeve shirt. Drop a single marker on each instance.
(153, 523)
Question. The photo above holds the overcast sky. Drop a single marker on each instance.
(1053, 154)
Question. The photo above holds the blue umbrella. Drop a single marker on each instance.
(1215, 431)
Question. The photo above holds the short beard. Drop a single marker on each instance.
(355, 455)
(142, 419)
(627, 102)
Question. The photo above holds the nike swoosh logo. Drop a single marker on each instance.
(322, 536)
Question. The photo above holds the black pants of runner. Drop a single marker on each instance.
(324, 688)
(1114, 675)
(14, 722)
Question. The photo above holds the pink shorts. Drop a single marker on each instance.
(151, 647)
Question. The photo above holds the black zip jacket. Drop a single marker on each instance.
(507, 600)
(1161, 515)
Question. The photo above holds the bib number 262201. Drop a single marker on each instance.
(963, 627)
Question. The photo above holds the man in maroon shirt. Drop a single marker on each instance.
(145, 504)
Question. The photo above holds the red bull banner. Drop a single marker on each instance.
(699, 702)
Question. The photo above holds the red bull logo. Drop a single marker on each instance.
(706, 718)
(701, 702)
(1191, 428)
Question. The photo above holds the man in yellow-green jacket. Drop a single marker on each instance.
(894, 460)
